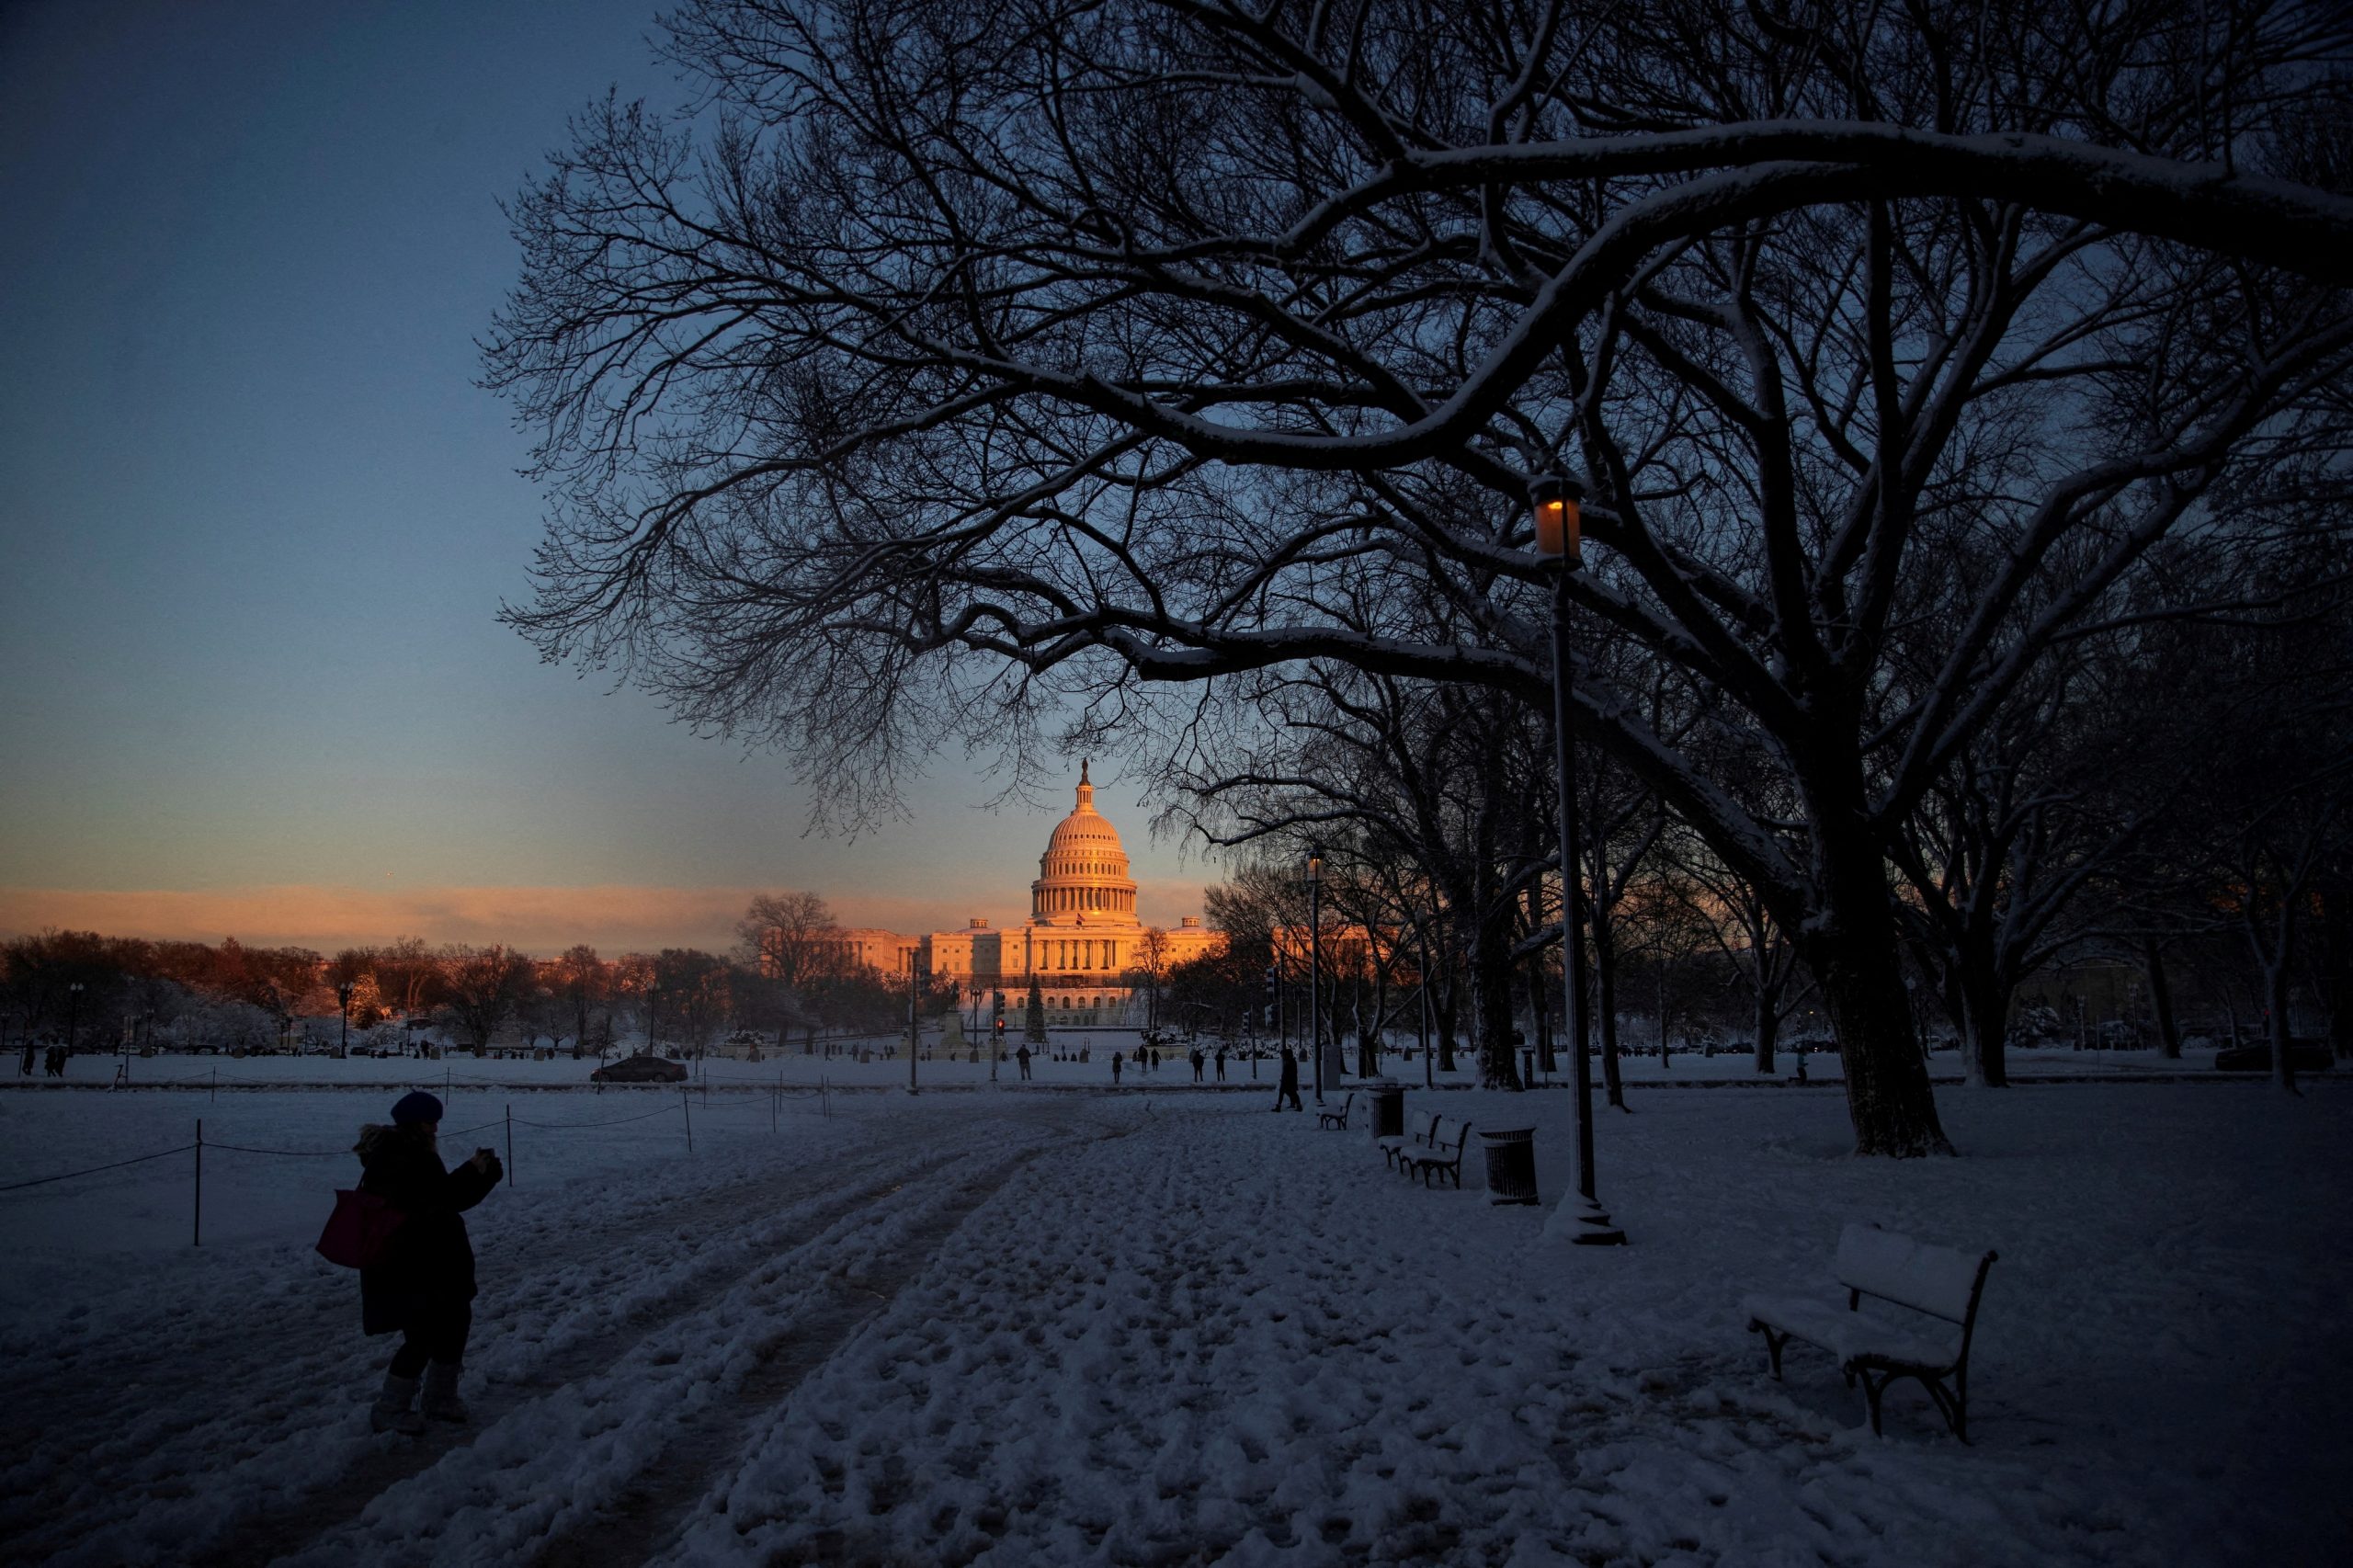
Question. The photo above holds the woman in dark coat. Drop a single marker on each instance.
(424, 1288)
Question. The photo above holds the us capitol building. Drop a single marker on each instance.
(1083, 940)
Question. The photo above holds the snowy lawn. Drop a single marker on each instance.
(458, 1071)
(1169, 1327)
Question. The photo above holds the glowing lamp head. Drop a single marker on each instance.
(1555, 498)
(1314, 864)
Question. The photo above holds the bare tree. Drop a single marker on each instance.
(790, 936)
(482, 987)
(966, 363)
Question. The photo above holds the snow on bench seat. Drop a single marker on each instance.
(1848, 1335)
(1939, 1282)
(1395, 1144)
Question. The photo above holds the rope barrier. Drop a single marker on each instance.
(772, 1094)
(93, 1170)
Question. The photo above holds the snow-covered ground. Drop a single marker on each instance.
(460, 1070)
(1167, 1327)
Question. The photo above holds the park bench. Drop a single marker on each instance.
(1441, 1156)
(1941, 1282)
(1339, 1118)
(1423, 1125)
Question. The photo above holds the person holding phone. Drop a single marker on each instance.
(423, 1288)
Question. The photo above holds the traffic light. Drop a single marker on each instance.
(1273, 981)
(1000, 1026)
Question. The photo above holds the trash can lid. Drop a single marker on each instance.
(1506, 1134)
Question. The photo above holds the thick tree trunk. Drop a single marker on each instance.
(2153, 968)
(1853, 952)
(1769, 1027)
(1605, 986)
(1985, 1028)
(1491, 986)
(2337, 963)
(1540, 1012)
(1540, 988)
(1444, 1009)
(2275, 996)
(1664, 1061)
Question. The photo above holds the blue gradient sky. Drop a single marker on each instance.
(256, 519)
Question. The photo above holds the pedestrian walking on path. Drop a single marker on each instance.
(1197, 1060)
(1115, 1069)
(423, 1288)
(1220, 1064)
(1289, 1087)
(1022, 1056)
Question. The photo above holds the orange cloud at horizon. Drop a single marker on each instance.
(613, 917)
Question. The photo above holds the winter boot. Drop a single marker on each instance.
(441, 1401)
(394, 1408)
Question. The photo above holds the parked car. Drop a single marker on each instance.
(641, 1069)
(2304, 1056)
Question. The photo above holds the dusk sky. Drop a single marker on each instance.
(259, 519)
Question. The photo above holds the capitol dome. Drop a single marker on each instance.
(1082, 876)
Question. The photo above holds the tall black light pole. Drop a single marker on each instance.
(1315, 964)
(72, 1013)
(1555, 498)
(343, 1000)
(914, 1021)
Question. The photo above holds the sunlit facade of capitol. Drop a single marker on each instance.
(1084, 940)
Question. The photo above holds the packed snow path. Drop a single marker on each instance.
(1050, 1328)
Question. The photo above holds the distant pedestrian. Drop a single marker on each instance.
(57, 1062)
(1220, 1064)
(424, 1286)
(1155, 1059)
(27, 1067)
(1115, 1068)
(1197, 1060)
(1288, 1088)
(1022, 1056)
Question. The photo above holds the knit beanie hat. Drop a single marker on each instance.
(415, 1107)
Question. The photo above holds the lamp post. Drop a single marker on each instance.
(1555, 498)
(915, 1018)
(1316, 966)
(72, 1013)
(343, 1004)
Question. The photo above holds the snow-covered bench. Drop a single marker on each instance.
(1938, 1281)
(1339, 1118)
(1442, 1153)
(1423, 1123)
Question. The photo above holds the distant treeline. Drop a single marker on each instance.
(787, 975)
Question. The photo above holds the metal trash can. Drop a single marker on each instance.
(1388, 1099)
(1511, 1164)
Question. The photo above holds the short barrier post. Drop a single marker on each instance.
(510, 1145)
(197, 1238)
(687, 1108)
